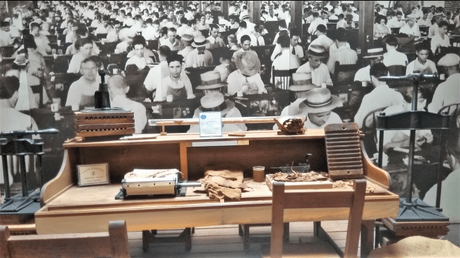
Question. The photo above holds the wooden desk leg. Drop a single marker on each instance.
(183, 160)
(246, 237)
(145, 240)
(316, 228)
(367, 237)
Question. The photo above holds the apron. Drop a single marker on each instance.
(177, 94)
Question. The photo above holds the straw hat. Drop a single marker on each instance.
(374, 53)
(449, 60)
(210, 80)
(317, 51)
(248, 63)
(21, 60)
(199, 41)
(302, 82)
(319, 100)
(187, 38)
(214, 100)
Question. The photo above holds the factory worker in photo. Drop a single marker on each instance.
(215, 101)
(318, 106)
(447, 92)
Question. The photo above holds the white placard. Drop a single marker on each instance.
(210, 124)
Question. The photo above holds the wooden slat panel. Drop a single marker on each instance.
(343, 150)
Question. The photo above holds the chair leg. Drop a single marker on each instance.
(367, 237)
(286, 232)
(246, 237)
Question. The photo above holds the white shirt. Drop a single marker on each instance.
(428, 67)
(140, 116)
(285, 61)
(236, 80)
(74, 65)
(140, 62)
(13, 120)
(333, 119)
(319, 75)
(422, 22)
(393, 57)
(394, 23)
(298, 51)
(450, 192)
(363, 74)
(323, 41)
(195, 60)
(81, 91)
(344, 55)
(411, 31)
(183, 82)
(156, 75)
(446, 93)
(438, 41)
(380, 97)
(314, 24)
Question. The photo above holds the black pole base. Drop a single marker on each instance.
(417, 210)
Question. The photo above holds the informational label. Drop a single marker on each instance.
(210, 124)
(94, 174)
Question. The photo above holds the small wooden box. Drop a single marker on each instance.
(300, 185)
(111, 122)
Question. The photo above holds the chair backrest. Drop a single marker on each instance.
(397, 70)
(52, 38)
(8, 51)
(369, 128)
(61, 64)
(354, 200)
(451, 109)
(113, 243)
(344, 73)
(119, 59)
(108, 48)
(282, 78)
(100, 36)
(152, 44)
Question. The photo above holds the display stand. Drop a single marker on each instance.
(19, 208)
(414, 215)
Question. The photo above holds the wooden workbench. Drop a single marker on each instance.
(68, 208)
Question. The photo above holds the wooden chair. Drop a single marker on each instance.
(344, 73)
(119, 59)
(100, 36)
(108, 48)
(152, 44)
(451, 110)
(113, 243)
(424, 30)
(52, 38)
(369, 128)
(395, 31)
(354, 200)
(61, 64)
(7, 51)
(397, 70)
(282, 78)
